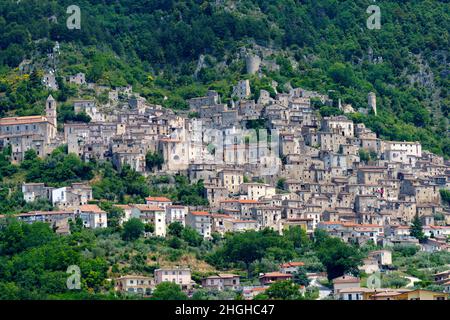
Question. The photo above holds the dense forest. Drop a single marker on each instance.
(318, 44)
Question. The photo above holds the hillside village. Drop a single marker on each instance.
(314, 172)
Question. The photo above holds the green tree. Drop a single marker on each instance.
(168, 291)
(94, 273)
(191, 236)
(445, 195)
(154, 159)
(12, 237)
(281, 183)
(175, 229)
(342, 74)
(416, 229)
(297, 235)
(300, 277)
(149, 227)
(338, 257)
(132, 229)
(175, 243)
(328, 111)
(247, 247)
(114, 213)
(284, 290)
(364, 156)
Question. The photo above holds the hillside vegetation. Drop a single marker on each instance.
(317, 44)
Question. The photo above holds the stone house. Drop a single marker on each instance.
(345, 282)
(232, 225)
(255, 191)
(216, 195)
(242, 90)
(72, 196)
(58, 220)
(222, 282)
(231, 179)
(90, 108)
(78, 79)
(370, 175)
(34, 191)
(404, 152)
(127, 210)
(161, 202)
(268, 217)
(422, 191)
(271, 277)
(176, 213)
(49, 80)
(201, 221)
(135, 284)
(340, 124)
(151, 214)
(92, 216)
(178, 275)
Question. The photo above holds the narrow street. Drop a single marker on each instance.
(323, 291)
(412, 281)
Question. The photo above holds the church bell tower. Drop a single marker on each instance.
(50, 110)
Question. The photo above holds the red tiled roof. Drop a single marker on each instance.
(276, 275)
(123, 206)
(223, 276)
(200, 213)
(243, 221)
(248, 201)
(259, 289)
(346, 279)
(330, 222)
(242, 201)
(292, 264)
(22, 120)
(229, 201)
(158, 199)
(91, 208)
(38, 213)
(148, 207)
(225, 216)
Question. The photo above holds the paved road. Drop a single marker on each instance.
(412, 281)
(323, 291)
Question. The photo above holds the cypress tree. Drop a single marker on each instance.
(416, 229)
